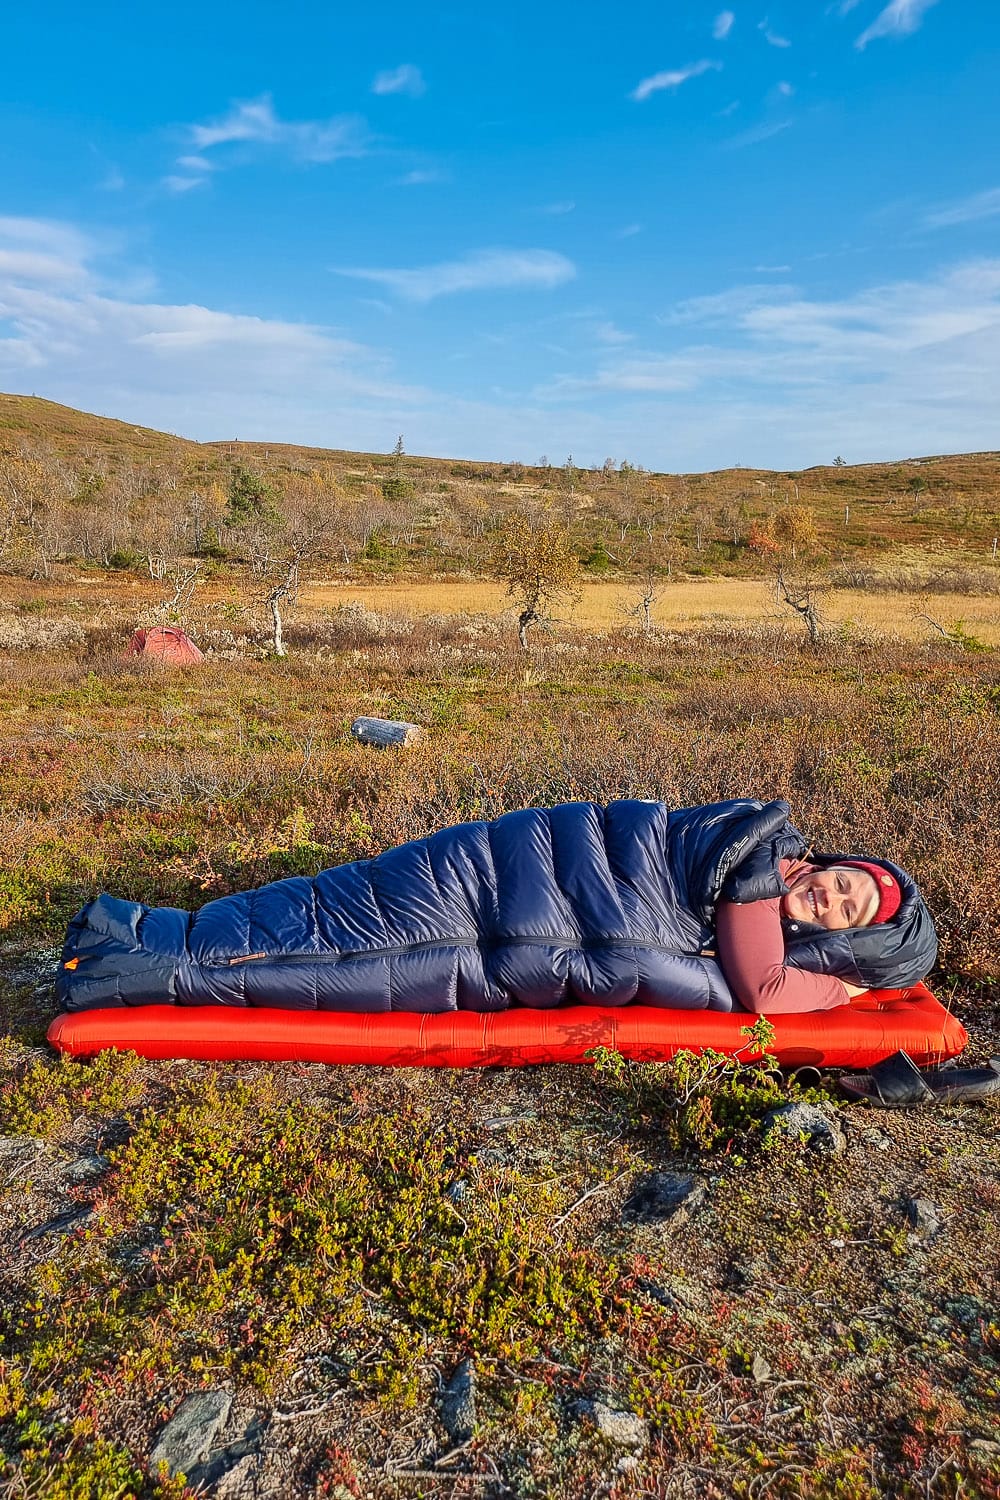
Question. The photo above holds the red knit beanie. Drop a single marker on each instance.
(889, 894)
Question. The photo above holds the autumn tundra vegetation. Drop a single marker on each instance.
(447, 1284)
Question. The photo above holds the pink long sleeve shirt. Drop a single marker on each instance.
(751, 950)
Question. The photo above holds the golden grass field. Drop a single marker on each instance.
(683, 606)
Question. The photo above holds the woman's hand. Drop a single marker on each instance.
(854, 989)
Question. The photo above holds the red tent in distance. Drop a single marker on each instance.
(166, 643)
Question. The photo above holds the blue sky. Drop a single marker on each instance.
(685, 235)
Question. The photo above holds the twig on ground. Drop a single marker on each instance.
(307, 1411)
(599, 1187)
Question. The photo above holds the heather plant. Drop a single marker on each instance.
(49, 1094)
(702, 1100)
(42, 1454)
(231, 1228)
(175, 789)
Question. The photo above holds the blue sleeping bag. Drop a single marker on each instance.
(577, 903)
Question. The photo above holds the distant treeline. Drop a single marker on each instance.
(98, 493)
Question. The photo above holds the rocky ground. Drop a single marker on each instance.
(807, 1308)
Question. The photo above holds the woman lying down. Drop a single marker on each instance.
(719, 907)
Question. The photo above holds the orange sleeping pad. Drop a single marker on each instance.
(857, 1035)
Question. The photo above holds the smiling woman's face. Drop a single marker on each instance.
(836, 897)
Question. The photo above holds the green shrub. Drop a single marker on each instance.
(251, 498)
(42, 1455)
(396, 488)
(46, 1098)
(964, 638)
(378, 547)
(124, 561)
(40, 892)
(598, 559)
(266, 1224)
(700, 1100)
(212, 547)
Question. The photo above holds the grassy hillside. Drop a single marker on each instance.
(387, 514)
(75, 435)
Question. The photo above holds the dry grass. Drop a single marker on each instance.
(689, 604)
(686, 604)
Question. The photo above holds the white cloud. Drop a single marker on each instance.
(43, 254)
(779, 336)
(422, 177)
(628, 230)
(49, 235)
(254, 122)
(563, 206)
(672, 79)
(758, 133)
(175, 183)
(724, 308)
(785, 89)
(188, 369)
(900, 18)
(772, 37)
(966, 210)
(196, 163)
(482, 270)
(723, 25)
(37, 266)
(406, 79)
(902, 368)
(610, 333)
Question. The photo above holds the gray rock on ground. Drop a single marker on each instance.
(22, 1145)
(624, 1429)
(85, 1169)
(658, 1196)
(807, 1124)
(240, 1482)
(258, 1476)
(191, 1431)
(38, 968)
(235, 1462)
(62, 1224)
(924, 1216)
(458, 1403)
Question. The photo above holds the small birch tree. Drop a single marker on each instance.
(534, 558)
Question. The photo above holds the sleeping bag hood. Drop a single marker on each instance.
(885, 956)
